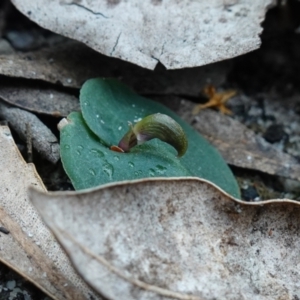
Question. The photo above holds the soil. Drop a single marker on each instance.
(268, 83)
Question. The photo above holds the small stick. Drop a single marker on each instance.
(29, 142)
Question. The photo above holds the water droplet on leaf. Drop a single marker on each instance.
(97, 152)
(92, 172)
(160, 170)
(151, 172)
(108, 169)
(79, 149)
(138, 173)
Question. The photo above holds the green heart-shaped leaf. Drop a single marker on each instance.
(89, 163)
(107, 107)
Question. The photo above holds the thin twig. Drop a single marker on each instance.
(29, 142)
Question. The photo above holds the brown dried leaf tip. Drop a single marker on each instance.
(153, 126)
(216, 100)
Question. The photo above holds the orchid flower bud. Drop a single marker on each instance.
(153, 126)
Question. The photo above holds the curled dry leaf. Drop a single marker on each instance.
(179, 34)
(181, 238)
(72, 63)
(30, 248)
(43, 140)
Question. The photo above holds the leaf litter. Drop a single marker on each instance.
(252, 153)
(71, 63)
(30, 249)
(151, 240)
(239, 146)
(39, 97)
(263, 230)
(146, 33)
(32, 130)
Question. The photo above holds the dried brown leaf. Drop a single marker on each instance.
(238, 145)
(72, 63)
(179, 34)
(181, 238)
(30, 248)
(216, 100)
(39, 98)
(26, 123)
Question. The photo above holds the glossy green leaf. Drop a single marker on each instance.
(89, 163)
(107, 107)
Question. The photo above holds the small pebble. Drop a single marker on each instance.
(11, 284)
(250, 194)
(5, 47)
(25, 40)
(274, 133)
